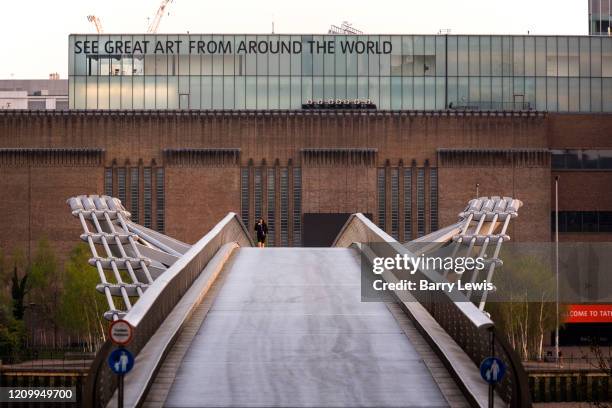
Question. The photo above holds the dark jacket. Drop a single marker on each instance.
(261, 229)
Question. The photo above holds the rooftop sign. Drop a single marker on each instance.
(197, 47)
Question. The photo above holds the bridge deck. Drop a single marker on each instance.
(278, 335)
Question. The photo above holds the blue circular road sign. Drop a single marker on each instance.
(121, 361)
(492, 370)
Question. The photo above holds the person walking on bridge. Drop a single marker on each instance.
(261, 228)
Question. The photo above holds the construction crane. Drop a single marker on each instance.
(158, 16)
(96, 21)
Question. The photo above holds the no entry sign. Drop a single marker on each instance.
(121, 332)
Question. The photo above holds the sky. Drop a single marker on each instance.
(34, 33)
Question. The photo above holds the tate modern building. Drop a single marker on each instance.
(305, 129)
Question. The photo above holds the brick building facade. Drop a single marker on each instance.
(181, 172)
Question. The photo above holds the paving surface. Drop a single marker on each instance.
(277, 335)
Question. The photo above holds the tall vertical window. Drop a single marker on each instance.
(147, 197)
(382, 202)
(420, 202)
(108, 181)
(407, 204)
(395, 203)
(271, 206)
(121, 188)
(297, 206)
(433, 199)
(134, 193)
(160, 199)
(258, 193)
(284, 210)
(244, 195)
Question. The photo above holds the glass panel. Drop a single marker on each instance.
(396, 93)
(507, 60)
(217, 92)
(596, 94)
(92, 92)
(161, 92)
(239, 93)
(474, 55)
(530, 56)
(273, 92)
(296, 93)
(551, 56)
(340, 92)
(103, 93)
(485, 55)
(430, 93)
(441, 55)
(285, 93)
(452, 55)
(374, 90)
(296, 59)
(585, 94)
(574, 94)
(585, 57)
(551, 94)
(519, 56)
(306, 89)
(317, 56)
(496, 56)
(606, 95)
(462, 56)
(595, 57)
(207, 102)
(285, 58)
(126, 93)
(419, 93)
(138, 94)
(194, 92)
(385, 93)
(351, 87)
(563, 57)
(407, 93)
(408, 55)
(606, 58)
(540, 56)
(228, 92)
(80, 92)
(573, 57)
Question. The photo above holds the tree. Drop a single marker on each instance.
(81, 307)
(45, 280)
(19, 290)
(523, 306)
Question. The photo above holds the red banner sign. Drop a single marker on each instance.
(589, 314)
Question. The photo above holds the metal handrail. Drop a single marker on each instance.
(158, 301)
(462, 320)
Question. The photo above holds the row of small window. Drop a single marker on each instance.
(581, 159)
(541, 93)
(583, 221)
(391, 191)
(411, 55)
(125, 184)
(257, 202)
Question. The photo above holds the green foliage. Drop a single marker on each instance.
(44, 268)
(528, 311)
(81, 307)
(12, 338)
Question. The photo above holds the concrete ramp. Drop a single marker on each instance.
(288, 328)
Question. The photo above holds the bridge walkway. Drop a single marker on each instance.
(281, 335)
